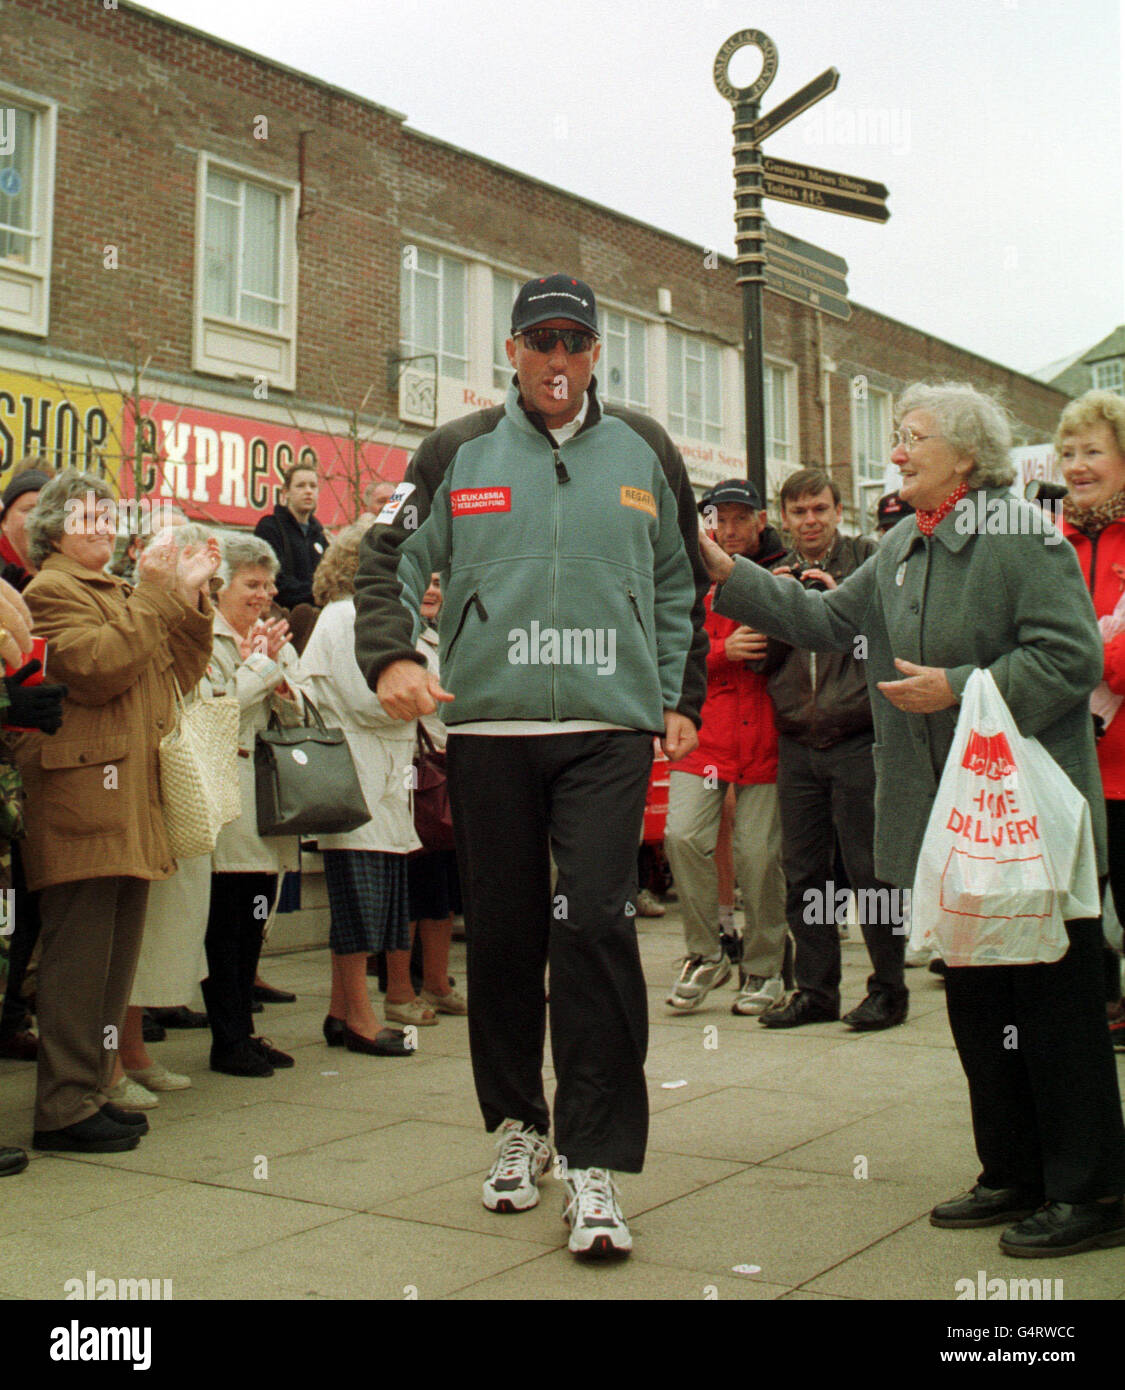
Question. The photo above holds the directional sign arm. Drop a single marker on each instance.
(792, 107)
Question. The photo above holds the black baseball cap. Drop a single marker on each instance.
(891, 508)
(30, 480)
(732, 490)
(554, 297)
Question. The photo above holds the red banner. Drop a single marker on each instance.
(228, 468)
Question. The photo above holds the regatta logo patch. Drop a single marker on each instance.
(471, 501)
(640, 499)
(394, 503)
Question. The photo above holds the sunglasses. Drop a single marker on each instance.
(544, 339)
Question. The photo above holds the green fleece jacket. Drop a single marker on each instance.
(571, 574)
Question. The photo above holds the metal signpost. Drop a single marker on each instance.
(765, 256)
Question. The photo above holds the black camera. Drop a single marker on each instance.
(801, 572)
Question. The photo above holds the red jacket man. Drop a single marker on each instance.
(737, 747)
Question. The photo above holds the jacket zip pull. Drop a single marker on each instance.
(473, 599)
(560, 468)
(637, 610)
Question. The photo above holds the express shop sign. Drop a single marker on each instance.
(229, 469)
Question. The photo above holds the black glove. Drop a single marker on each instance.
(33, 706)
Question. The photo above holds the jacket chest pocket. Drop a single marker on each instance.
(82, 792)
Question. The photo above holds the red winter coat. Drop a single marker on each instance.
(1103, 566)
(738, 741)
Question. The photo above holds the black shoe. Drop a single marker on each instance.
(151, 1031)
(256, 1007)
(130, 1118)
(181, 1017)
(1066, 1228)
(984, 1206)
(388, 1042)
(335, 1031)
(802, 1008)
(96, 1134)
(273, 1055)
(937, 967)
(878, 1011)
(244, 1060)
(12, 1161)
(266, 994)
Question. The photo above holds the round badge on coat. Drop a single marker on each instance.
(900, 575)
(299, 756)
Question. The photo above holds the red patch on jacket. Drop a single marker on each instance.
(471, 501)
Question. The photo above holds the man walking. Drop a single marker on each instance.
(566, 536)
(826, 784)
(737, 746)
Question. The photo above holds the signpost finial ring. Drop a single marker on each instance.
(745, 37)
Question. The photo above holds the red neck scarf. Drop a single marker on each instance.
(927, 521)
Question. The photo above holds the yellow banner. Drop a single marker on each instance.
(71, 426)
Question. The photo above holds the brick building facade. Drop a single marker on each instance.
(296, 269)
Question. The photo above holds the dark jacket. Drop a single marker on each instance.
(298, 551)
(542, 549)
(820, 698)
(960, 599)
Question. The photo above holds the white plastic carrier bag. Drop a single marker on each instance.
(1008, 856)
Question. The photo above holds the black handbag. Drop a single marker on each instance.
(305, 781)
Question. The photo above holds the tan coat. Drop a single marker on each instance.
(93, 789)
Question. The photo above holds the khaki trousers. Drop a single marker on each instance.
(694, 811)
(90, 941)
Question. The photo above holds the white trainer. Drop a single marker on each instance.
(696, 980)
(593, 1213)
(757, 994)
(522, 1157)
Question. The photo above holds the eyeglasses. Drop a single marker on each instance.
(907, 439)
(544, 339)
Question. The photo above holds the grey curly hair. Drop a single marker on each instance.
(47, 521)
(241, 550)
(974, 424)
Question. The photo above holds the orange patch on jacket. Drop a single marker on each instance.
(640, 499)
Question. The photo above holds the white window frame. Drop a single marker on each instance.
(1110, 376)
(875, 470)
(502, 370)
(780, 449)
(228, 347)
(619, 325)
(25, 288)
(407, 348)
(711, 430)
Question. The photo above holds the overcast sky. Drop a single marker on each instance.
(996, 125)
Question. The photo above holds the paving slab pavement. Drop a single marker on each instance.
(813, 1155)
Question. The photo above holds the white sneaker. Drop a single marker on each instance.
(159, 1078)
(647, 905)
(522, 1157)
(593, 1213)
(131, 1095)
(757, 994)
(697, 978)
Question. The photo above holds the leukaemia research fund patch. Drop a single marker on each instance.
(394, 504)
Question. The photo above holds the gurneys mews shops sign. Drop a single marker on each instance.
(228, 468)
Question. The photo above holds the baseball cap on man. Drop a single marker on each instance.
(554, 297)
(891, 508)
(30, 480)
(732, 490)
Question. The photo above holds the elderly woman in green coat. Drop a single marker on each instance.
(976, 578)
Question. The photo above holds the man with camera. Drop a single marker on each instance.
(826, 783)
